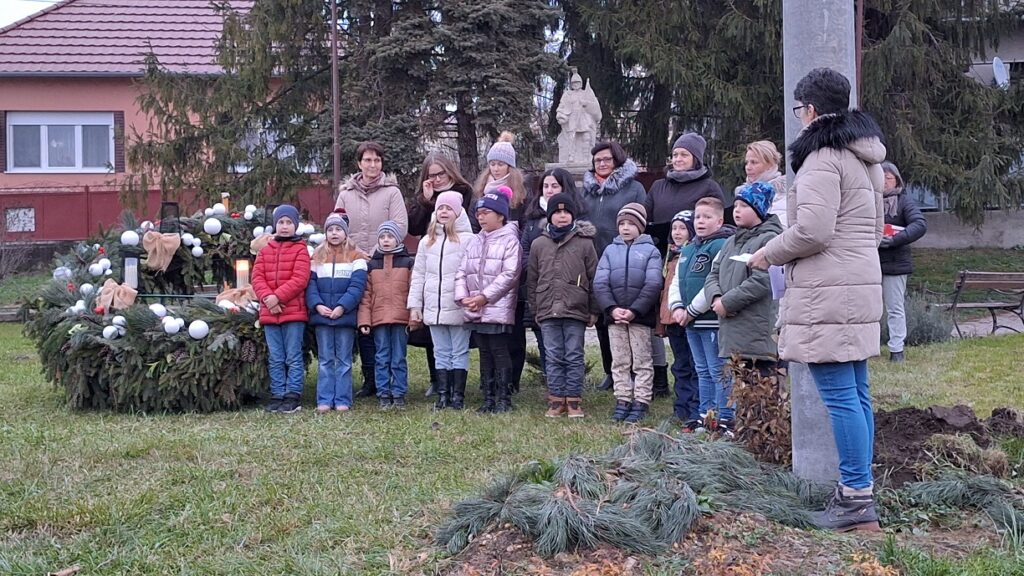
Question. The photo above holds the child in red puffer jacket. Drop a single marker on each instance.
(279, 278)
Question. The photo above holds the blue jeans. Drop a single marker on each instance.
(451, 347)
(687, 404)
(390, 369)
(563, 339)
(334, 380)
(843, 387)
(287, 370)
(714, 388)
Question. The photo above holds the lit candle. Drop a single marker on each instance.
(241, 273)
(131, 272)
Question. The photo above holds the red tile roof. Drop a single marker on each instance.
(111, 37)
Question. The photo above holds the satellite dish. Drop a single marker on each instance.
(1000, 73)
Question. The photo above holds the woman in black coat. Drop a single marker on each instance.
(904, 225)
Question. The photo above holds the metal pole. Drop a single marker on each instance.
(336, 127)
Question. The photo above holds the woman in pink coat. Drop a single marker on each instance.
(486, 288)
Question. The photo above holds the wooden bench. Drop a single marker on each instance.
(1006, 290)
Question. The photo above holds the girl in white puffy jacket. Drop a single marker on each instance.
(432, 297)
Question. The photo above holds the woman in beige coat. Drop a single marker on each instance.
(833, 304)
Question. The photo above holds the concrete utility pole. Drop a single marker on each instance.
(815, 33)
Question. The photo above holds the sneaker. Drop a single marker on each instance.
(274, 404)
(896, 357)
(849, 510)
(692, 426)
(725, 428)
(398, 403)
(384, 403)
(556, 407)
(341, 408)
(622, 409)
(291, 404)
(638, 413)
(575, 410)
(323, 409)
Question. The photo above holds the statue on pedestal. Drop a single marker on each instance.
(579, 115)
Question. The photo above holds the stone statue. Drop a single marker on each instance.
(579, 115)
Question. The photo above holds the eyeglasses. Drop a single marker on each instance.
(604, 160)
(797, 109)
(436, 175)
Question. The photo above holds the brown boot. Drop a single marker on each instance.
(556, 407)
(575, 410)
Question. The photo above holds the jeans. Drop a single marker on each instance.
(631, 350)
(687, 404)
(390, 368)
(563, 339)
(714, 387)
(334, 380)
(451, 347)
(843, 387)
(287, 370)
(894, 293)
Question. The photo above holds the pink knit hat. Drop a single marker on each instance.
(450, 199)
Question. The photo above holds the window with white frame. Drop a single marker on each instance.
(60, 142)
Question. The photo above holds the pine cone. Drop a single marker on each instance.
(248, 351)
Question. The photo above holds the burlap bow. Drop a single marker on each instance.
(114, 296)
(240, 297)
(160, 249)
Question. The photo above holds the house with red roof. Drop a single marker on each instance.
(69, 80)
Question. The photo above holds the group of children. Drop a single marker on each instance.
(462, 284)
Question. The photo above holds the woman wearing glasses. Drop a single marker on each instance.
(438, 175)
(607, 187)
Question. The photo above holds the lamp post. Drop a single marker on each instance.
(170, 215)
(130, 268)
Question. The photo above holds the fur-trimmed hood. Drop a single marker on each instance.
(620, 178)
(853, 130)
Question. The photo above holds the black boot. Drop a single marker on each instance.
(487, 385)
(503, 391)
(607, 383)
(444, 386)
(660, 387)
(457, 395)
(849, 510)
(369, 388)
(432, 389)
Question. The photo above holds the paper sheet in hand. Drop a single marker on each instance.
(777, 276)
(741, 258)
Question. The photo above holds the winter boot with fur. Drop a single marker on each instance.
(457, 382)
(849, 509)
(444, 387)
(660, 387)
(556, 407)
(503, 391)
(574, 404)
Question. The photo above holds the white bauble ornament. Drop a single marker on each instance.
(147, 226)
(310, 250)
(208, 212)
(317, 238)
(130, 238)
(62, 274)
(249, 215)
(257, 231)
(80, 304)
(95, 269)
(219, 209)
(197, 251)
(212, 226)
(118, 321)
(197, 242)
(171, 327)
(95, 246)
(86, 288)
(187, 239)
(198, 329)
(72, 310)
(250, 208)
(108, 272)
(227, 305)
(105, 262)
(158, 309)
(110, 332)
(268, 230)
(180, 321)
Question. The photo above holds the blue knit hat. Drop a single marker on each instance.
(286, 211)
(759, 196)
(494, 201)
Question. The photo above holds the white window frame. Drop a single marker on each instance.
(44, 119)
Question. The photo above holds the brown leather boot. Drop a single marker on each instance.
(556, 407)
(575, 409)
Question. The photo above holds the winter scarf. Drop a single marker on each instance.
(493, 185)
(558, 233)
(891, 199)
(682, 176)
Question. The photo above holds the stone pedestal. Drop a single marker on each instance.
(814, 448)
(577, 171)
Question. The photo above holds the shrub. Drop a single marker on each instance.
(926, 324)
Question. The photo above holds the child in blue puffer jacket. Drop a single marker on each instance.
(338, 277)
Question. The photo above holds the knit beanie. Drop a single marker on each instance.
(695, 144)
(686, 217)
(502, 150)
(561, 201)
(450, 199)
(495, 202)
(892, 169)
(824, 88)
(286, 211)
(759, 196)
(337, 218)
(389, 227)
(635, 213)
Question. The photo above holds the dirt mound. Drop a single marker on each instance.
(1006, 422)
(508, 551)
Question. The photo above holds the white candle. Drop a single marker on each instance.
(241, 273)
(131, 272)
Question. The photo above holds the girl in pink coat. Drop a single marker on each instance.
(486, 288)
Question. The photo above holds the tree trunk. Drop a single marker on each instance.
(468, 161)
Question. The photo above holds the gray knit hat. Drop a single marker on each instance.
(503, 151)
(695, 144)
(337, 218)
(389, 227)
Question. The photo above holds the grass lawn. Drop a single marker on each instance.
(252, 493)
(936, 269)
(14, 289)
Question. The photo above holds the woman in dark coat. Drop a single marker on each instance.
(894, 254)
